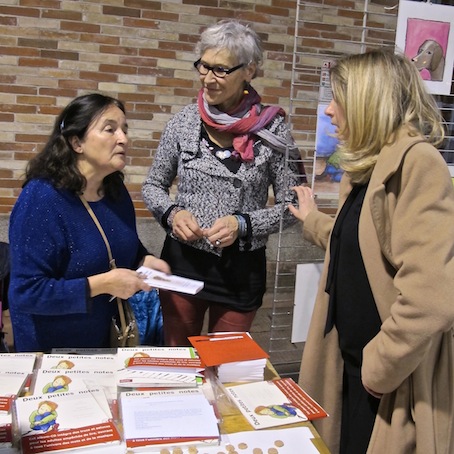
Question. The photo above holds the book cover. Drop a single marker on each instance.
(65, 421)
(6, 435)
(219, 348)
(170, 418)
(165, 281)
(14, 366)
(125, 354)
(274, 403)
(51, 381)
(193, 365)
(78, 362)
(19, 362)
(11, 385)
(142, 376)
(156, 379)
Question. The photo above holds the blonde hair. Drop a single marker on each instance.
(380, 91)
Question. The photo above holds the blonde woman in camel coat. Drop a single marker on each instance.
(406, 240)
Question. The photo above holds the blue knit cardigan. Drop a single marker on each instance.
(55, 246)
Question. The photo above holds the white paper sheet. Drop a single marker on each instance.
(307, 279)
(168, 416)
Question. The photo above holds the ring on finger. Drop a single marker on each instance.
(217, 242)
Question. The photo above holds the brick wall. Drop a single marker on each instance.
(137, 50)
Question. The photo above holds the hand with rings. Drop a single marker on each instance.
(223, 232)
(185, 226)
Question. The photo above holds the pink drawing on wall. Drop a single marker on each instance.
(426, 44)
(425, 34)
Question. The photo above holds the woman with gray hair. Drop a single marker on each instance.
(226, 150)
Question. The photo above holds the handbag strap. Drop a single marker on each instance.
(101, 231)
(112, 264)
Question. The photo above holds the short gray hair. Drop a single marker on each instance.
(239, 39)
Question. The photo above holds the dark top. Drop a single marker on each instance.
(224, 155)
(352, 306)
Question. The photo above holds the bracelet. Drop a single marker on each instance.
(172, 214)
(242, 226)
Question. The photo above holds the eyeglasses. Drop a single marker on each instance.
(218, 71)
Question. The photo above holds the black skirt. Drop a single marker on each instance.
(235, 279)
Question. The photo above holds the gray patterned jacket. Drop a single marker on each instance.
(209, 190)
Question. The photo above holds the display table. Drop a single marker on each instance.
(234, 427)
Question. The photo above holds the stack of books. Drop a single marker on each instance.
(235, 357)
(78, 420)
(158, 367)
(170, 420)
(15, 372)
(59, 373)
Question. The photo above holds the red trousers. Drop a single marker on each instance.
(183, 316)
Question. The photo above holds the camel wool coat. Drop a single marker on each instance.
(406, 237)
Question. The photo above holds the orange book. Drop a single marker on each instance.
(220, 348)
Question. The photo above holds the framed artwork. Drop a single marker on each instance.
(327, 174)
(425, 33)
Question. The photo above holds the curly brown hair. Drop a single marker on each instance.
(57, 161)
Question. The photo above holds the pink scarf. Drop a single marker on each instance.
(243, 122)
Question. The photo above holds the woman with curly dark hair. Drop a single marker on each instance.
(61, 282)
